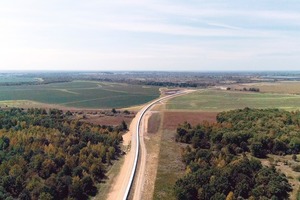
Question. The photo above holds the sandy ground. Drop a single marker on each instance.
(120, 183)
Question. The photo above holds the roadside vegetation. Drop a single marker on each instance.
(170, 167)
(48, 155)
(220, 158)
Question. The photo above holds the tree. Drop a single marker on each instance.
(124, 126)
(126, 112)
(45, 196)
(257, 150)
(48, 167)
(97, 171)
(4, 143)
(24, 195)
(294, 157)
(230, 196)
(88, 186)
(76, 190)
(113, 111)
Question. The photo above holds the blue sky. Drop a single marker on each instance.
(150, 35)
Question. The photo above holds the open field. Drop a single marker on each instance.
(284, 87)
(218, 100)
(82, 94)
(170, 166)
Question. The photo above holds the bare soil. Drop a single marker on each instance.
(172, 118)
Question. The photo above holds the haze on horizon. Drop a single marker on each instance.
(150, 35)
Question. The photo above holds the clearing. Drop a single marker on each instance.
(285, 164)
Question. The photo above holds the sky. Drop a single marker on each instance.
(168, 35)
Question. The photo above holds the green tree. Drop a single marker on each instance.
(88, 186)
(257, 150)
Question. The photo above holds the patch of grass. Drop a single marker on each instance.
(103, 188)
(153, 123)
(296, 168)
(170, 167)
(82, 94)
(217, 100)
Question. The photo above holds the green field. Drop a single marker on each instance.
(218, 100)
(169, 167)
(283, 87)
(82, 94)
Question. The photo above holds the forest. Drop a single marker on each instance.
(52, 155)
(221, 158)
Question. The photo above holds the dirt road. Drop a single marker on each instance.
(119, 185)
(123, 181)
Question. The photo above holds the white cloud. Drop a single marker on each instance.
(143, 33)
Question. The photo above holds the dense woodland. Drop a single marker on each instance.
(50, 155)
(220, 158)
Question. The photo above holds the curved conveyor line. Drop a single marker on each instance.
(145, 109)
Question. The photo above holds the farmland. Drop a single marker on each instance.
(218, 100)
(81, 94)
(283, 87)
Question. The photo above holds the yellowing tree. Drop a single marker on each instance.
(230, 196)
